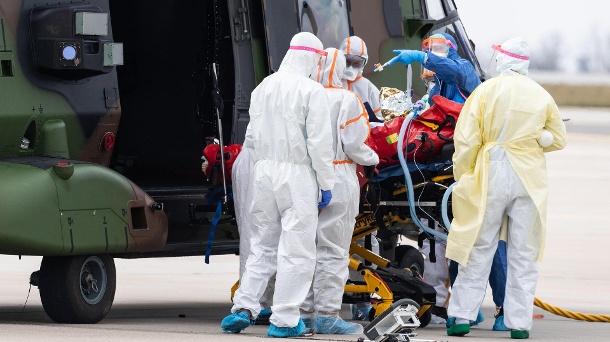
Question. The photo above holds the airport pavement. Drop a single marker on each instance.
(183, 299)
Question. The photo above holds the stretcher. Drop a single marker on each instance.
(385, 210)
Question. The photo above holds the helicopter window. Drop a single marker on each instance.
(467, 49)
(435, 9)
(327, 19)
(464, 48)
(451, 4)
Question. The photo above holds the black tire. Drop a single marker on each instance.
(425, 319)
(78, 289)
(409, 257)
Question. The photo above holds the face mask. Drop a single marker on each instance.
(350, 73)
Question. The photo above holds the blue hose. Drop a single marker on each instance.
(409, 183)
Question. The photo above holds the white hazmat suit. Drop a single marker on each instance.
(289, 138)
(241, 178)
(350, 126)
(501, 171)
(352, 78)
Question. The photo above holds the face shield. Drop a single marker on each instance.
(492, 67)
(317, 68)
(437, 45)
(316, 73)
(504, 61)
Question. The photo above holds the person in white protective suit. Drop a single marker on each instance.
(356, 56)
(350, 126)
(241, 179)
(289, 139)
(500, 171)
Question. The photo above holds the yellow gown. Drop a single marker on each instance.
(514, 122)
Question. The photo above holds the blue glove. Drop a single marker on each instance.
(326, 196)
(407, 57)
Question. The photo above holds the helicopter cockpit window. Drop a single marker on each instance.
(435, 9)
(451, 5)
(327, 19)
(466, 45)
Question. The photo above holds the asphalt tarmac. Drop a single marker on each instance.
(183, 299)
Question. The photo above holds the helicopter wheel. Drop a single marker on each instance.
(77, 289)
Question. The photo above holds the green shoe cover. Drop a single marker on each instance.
(458, 330)
(519, 334)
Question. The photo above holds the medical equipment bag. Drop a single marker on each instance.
(424, 138)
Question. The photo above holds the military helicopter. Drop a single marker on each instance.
(105, 106)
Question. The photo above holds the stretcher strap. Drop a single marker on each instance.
(208, 249)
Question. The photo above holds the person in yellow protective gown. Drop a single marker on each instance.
(500, 171)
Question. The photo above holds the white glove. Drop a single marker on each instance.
(546, 138)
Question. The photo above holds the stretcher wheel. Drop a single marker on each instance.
(409, 257)
(372, 314)
(425, 319)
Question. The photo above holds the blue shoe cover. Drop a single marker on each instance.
(263, 317)
(235, 322)
(274, 331)
(360, 312)
(499, 325)
(336, 325)
(449, 322)
(479, 319)
(309, 320)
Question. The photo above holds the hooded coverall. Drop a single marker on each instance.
(336, 222)
(353, 79)
(241, 178)
(289, 138)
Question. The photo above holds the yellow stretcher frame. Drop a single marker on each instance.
(365, 226)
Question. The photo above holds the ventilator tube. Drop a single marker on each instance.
(409, 182)
(546, 138)
(444, 209)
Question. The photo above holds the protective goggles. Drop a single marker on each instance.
(508, 53)
(354, 61)
(437, 45)
(310, 49)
